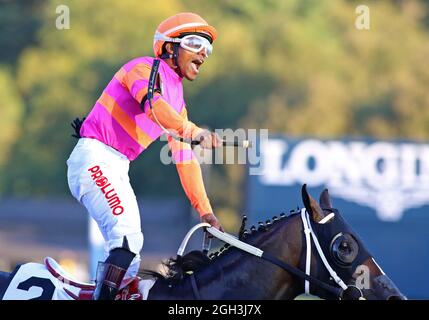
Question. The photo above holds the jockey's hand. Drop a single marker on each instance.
(211, 219)
(209, 140)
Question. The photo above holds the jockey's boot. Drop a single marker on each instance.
(111, 272)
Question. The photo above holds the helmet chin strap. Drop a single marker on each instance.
(174, 56)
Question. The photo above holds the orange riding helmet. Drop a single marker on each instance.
(183, 22)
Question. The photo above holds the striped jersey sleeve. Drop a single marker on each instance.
(190, 174)
(136, 80)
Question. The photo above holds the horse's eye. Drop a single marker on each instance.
(344, 249)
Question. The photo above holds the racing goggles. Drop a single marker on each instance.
(192, 42)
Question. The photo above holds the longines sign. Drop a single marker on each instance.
(386, 176)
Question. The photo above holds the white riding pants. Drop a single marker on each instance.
(98, 178)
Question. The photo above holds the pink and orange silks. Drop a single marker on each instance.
(118, 121)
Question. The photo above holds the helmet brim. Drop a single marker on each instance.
(211, 31)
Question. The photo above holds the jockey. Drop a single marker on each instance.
(122, 125)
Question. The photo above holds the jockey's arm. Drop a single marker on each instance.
(188, 168)
(172, 120)
(190, 175)
(136, 81)
(191, 178)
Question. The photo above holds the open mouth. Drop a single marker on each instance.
(196, 64)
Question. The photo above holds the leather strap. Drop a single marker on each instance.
(195, 287)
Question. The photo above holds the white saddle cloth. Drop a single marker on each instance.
(49, 281)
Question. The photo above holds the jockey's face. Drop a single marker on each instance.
(188, 62)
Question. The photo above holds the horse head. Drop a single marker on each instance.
(346, 254)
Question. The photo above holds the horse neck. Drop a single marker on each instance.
(239, 275)
(249, 277)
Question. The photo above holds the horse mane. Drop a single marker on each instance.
(177, 268)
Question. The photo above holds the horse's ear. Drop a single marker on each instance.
(311, 205)
(325, 199)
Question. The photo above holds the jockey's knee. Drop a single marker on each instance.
(135, 241)
(132, 242)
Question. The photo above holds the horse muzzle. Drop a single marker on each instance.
(385, 289)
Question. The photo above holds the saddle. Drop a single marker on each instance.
(131, 288)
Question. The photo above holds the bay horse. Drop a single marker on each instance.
(338, 266)
(234, 274)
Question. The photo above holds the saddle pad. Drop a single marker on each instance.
(58, 272)
(145, 286)
(33, 281)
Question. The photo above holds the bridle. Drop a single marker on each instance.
(308, 231)
(337, 291)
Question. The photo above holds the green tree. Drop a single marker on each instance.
(19, 21)
(294, 67)
(11, 114)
